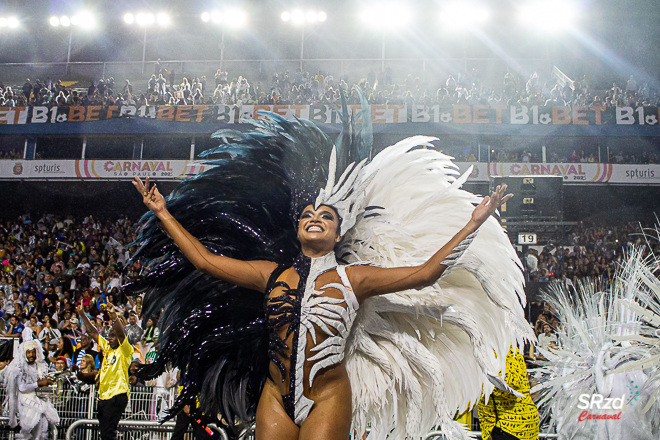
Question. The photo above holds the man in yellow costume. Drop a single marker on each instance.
(505, 416)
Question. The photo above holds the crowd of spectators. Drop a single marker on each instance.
(305, 88)
(587, 251)
(50, 265)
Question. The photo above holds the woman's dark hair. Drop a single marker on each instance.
(67, 348)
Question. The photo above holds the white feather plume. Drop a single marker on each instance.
(418, 357)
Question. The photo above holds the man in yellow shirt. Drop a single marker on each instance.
(113, 376)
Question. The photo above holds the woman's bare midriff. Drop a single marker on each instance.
(330, 416)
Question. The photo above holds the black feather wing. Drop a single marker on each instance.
(245, 207)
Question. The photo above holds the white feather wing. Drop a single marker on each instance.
(416, 358)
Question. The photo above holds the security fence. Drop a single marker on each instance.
(75, 401)
(77, 405)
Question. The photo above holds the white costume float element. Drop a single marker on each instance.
(34, 414)
(609, 347)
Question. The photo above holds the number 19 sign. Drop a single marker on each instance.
(526, 238)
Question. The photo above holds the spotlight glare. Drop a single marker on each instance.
(206, 17)
(322, 16)
(311, 16)
(235, 18)
(286, 16)
(75, 20)
(458, 16)
(54, 21)
(12, 22)
(387, 16)
(549, 16)
(65, 21)
(86, 20)
(145, 19)
(216, 16)
(129, 18)
(163, 19)
(3, 22)
(298, 16)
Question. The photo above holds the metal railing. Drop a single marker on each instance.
(439, 435)
(145, 404)
(128, 425)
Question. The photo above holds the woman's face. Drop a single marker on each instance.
(60, 344)
(150, 323)
(318, 227)
(83, 363)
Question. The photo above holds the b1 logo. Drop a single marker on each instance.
(590, 401)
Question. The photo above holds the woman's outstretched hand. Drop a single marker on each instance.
(150, 196)
(489, 204)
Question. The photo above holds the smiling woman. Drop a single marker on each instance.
(339, 333)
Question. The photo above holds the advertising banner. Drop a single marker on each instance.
(98, 169)
(222, 114)
(380, 114)
(573, 173)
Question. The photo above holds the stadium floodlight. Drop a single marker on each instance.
(65, 21)
(301, 18)
(83, 19)
(298, 16)
(145, 19)
(549, 16)
(54, 21)
(235, 18)
(10, 22)
(387, 16)
(163, 19)
(216, 16)
(232, 17)
(457, 16)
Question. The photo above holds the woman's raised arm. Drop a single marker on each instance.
(370, 280)
(249, 274)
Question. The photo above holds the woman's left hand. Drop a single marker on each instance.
(489, 204)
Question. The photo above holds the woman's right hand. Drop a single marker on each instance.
(150, 196)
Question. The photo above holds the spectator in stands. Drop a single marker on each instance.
(60, 364)
(14, 327)
(134, 332)
(151, 332)
(547, 337)
(85, 349)
(64, 349)
(113, 378)
(128, 89)
(27, 88)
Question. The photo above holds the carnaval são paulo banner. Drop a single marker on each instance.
(98, 169)
(380, 114)
(573, 173)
